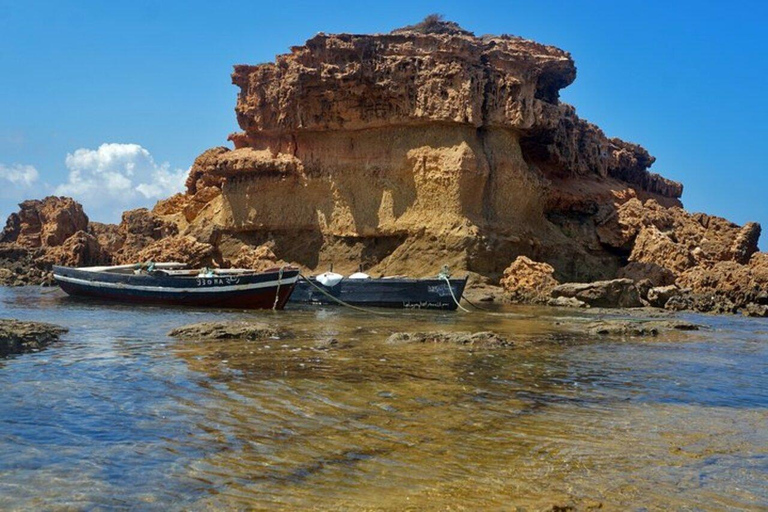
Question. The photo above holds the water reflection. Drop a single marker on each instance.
(121, 415)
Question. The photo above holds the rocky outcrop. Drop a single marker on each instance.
(427, 146)
(182, 249)
(485, 339)
(18, 337)
(44, 223)
(414, 149)
(227, 330)
(260, 258)
(616, 293)
(529, 281)
(51, 231)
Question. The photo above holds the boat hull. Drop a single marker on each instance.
(252, 291)
(386, 293)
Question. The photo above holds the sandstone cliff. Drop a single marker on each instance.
(406, 151)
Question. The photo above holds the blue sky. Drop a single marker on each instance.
(684, 79)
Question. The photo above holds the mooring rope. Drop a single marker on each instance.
(453, 296)
(475, 305)
(277, 292)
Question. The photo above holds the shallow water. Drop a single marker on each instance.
(118, 415)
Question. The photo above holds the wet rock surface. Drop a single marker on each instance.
(638, 327)
(18, 337)
(485, 339)
(228, 330)
(616, 293)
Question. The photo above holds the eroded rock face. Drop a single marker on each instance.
(45, 223)
(616, 293)
(414, 149)
(526, 280)
(182, 249)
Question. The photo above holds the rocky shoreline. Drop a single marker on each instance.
(406, 151)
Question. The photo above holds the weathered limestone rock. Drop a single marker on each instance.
(227, 330)
(638, 328)
(566, 302)
(660, 295)
(476, 340)
(182, 249)
(528, 281)
(260, 258)
(414, 149)
(79, 250)
(616, 293)
(17, 336)
(45, 223)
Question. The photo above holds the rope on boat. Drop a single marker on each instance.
(277, 292)
(453, 296)
(347, 304)
(475, 305)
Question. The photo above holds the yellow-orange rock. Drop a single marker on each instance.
(406, 151)
(526, 280)
(178, 248)
(260, 258)
(45, 223)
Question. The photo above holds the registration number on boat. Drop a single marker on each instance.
(217, 281)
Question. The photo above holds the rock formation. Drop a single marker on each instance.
(414, 149)
(406, 151)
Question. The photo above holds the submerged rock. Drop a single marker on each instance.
(227, 330)
(484, 339)
(17, 336)
(638, 327)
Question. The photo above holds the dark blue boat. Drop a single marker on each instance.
(394, 292)
(170, 283)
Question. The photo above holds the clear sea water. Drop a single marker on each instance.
(120, 416)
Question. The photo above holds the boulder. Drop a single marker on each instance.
(17, 336)
(527, 281)
(659, 295)
(616, 293)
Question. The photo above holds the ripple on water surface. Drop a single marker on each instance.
(120, 415)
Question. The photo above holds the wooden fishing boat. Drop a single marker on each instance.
(173, 283)
(388, 292)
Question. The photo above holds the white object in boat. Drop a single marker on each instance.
(329, 278)
(359, 275)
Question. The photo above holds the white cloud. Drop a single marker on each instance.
(116, 177)
(23, 176)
